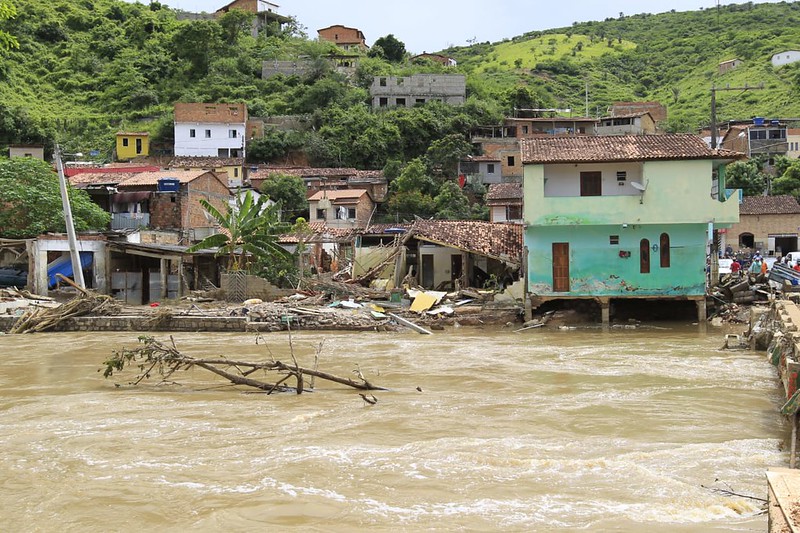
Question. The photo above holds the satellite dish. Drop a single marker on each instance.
(638, 186)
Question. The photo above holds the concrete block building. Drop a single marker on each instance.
(408, 91)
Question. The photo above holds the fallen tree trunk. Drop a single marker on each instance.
(155, 356)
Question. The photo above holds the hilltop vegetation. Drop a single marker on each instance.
(671, 57)
(84, 69)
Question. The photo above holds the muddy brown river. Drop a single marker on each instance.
(578, 430)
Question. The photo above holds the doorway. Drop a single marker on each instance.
(560, 267)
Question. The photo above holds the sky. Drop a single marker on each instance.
(432, 25)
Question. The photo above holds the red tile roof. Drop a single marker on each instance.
(303, 172)
(497, 241)
(134, 179)
(590, 149)
(211, 113)
(504, 191)
(769, 205)
(130, 169)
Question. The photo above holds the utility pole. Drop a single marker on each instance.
(77, 268)
(714, 107)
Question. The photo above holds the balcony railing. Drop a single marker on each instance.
(130, 220)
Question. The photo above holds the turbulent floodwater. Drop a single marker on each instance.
(534, 431)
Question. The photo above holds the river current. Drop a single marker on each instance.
(581, 430)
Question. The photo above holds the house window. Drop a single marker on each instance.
(756, 135)
(345, 213)
(524, 129)
(622, 175)
(664, 248)
(490, 168)
(644, 256)
(321, 214)
(208, 134)
(420, 101)
(400, 101)
(382, 82)
(613, 240)
(236, 172)
(383, 102)
(514, 212)
(591, 184)
(124, 141)
(232, 134)
(192, 133)
(511, 161)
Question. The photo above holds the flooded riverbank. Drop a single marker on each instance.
(536, 431)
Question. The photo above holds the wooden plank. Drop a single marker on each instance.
(785, 484)
(409, 324)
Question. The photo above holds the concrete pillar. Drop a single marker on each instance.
(181, 287)
(40, 270)
(163, 271)
(100, 270)
(605, 311)
(701, 311)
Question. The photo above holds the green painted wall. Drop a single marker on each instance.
(596, 268)
(678, 192)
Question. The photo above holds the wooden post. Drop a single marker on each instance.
(524, 270)
(793, 447)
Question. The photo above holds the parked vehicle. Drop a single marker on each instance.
(792, 258)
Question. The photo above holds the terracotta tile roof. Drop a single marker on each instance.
(130, 169)
(340, 194)
(205, 162)
(498, 241)
(303, 172)
(504, 191)
(372, 175)
(380, 229)
(133, 179)
(211, 113)
(486, 158)
(769, 205)
(320, 232)
(590, 149)
(86, 179)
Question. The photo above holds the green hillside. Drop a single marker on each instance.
(671, 57)
(87, 68)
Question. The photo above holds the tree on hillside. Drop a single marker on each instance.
(746, 175)
(250, 232)
(451, 202)
(31, 200)
(789, 181)
(236, 23)
(197, 42)
(290, 193)
(444, 154)
(7, 11)
(389, 48)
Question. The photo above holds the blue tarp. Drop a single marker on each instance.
(63, 266)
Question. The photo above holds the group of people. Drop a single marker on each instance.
(758, 265)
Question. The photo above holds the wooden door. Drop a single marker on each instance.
(560, 267)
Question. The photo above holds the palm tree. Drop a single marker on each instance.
(249, 231)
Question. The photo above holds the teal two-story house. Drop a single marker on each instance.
(622, 216)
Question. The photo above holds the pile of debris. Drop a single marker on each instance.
(742, 290)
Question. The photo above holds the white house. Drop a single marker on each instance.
(210, 130)
(786, 57)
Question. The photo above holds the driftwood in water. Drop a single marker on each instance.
(154, 356)
(44, 319)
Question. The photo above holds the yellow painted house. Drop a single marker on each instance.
(132, 144)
